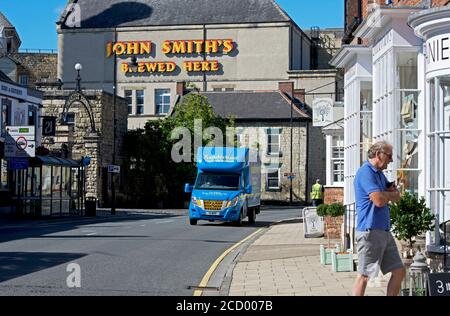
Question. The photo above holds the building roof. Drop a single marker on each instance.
(250, 105)
(115, 13)
(5, 22)
(5, 78)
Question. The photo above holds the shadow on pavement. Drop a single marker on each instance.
(16, 229)
(17, 264)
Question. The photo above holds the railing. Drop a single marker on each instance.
(38, 50)
(349, 229)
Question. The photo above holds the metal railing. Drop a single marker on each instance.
(349, 229)
(38, 51)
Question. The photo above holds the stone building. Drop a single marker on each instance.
(88, 131)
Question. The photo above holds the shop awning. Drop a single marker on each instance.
(53, 161)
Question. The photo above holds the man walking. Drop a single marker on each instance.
(376, 246)
(317, 193)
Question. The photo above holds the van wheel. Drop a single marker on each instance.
(193, 221)
(251, 216)
(239, 221)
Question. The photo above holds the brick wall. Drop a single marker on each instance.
(333, 226)
(333, 195)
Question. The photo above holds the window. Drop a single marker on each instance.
(273, 179)
(129, 98)
(31, 116)
(229, 89)
(273, 142)
(5, 114)
(140, 102)
(337, 158)
(23, 80)
(217, 89)
(162, 101)
(70, 118)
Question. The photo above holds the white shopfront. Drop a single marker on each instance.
(433, 26)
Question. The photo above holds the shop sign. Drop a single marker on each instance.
(3, 175)
(438, 53)
(13, 91)
(195, 48)
(385, 42)
(312, 223)
(322, 112)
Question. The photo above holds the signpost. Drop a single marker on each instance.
(20, 142)
(48, 126)
(312, 223)
(113, 169)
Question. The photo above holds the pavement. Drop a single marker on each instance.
(282, 262)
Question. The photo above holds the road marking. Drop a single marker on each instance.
(91, 234)
(164, 222)
(216, 263)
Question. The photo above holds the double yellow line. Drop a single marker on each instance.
(216, 263)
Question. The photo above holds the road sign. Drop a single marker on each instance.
(113, 169)
(439, 284)
(290, 175)
(20, 142)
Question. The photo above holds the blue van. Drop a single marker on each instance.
(228, 185)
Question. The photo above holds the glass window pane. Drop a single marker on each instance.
(162, 101)
(140, 99)
(407, 70)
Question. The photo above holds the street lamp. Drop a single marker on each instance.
(78, 68)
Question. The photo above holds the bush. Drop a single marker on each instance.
(322, 210)
(410, 217)
(335, 210)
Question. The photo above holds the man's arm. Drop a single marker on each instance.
(381, 199)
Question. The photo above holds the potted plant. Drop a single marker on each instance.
(325, 252)
(341, 261)
(410, 217)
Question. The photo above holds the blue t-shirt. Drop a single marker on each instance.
(368, 180)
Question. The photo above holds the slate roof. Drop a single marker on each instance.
(250, 105)
(114, 13)
(5, 78)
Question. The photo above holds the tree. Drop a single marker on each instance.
(410, 217)
(156, 177)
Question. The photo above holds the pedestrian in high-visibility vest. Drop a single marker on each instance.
(317, 193)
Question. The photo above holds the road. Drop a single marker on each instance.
(136, 254)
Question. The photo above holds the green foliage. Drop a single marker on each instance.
(333, 210)
(322, 210)
(336, 209)
(410, 217)
(153, 178)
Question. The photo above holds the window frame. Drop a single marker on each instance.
(160, 106)
(270, 171)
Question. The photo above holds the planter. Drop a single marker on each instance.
(342, 261)
(325, 254)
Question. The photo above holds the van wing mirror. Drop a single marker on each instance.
(188, 188)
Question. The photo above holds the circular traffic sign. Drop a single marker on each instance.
(21, 143)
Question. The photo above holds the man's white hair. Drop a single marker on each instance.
(378, 147)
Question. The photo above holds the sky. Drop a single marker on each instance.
(35, 19)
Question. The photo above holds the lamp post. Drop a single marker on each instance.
(113, 187)
(78, 68)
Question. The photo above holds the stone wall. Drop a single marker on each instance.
(283, 161)
(39, 67)
(81, 142)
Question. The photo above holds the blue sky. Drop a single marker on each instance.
(36, 27)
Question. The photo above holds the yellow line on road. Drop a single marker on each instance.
(216, 263)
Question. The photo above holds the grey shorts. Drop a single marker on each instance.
(377, 250)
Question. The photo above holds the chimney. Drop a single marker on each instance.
(300, 94)
(287, 88)
(180, 88)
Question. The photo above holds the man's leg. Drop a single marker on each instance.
(395, 282)
(360, 285)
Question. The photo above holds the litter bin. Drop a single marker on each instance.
(91, 206)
